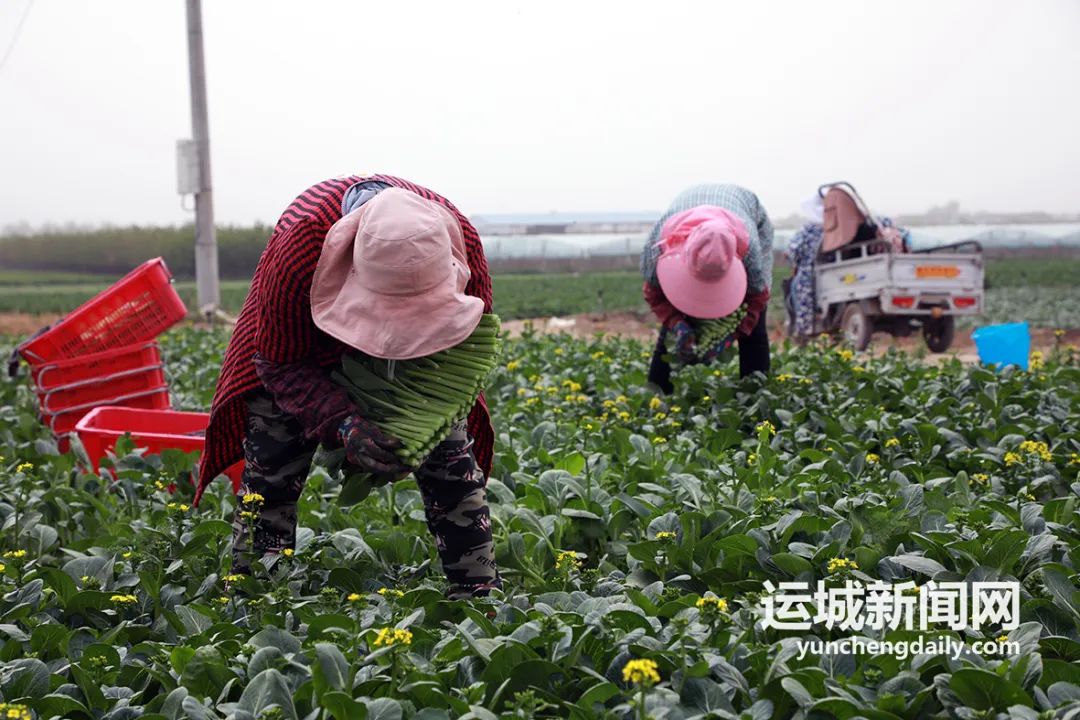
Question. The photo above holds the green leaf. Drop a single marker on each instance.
(331, 669)
(272, 636)
(205, 673)
(343, 707)
(383, 709)
(27, 678)
(984, 690)
(267, 690)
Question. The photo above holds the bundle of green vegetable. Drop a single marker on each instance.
(418, 401)
(711, 332)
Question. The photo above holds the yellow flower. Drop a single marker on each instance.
(567, 560)
(248, 515)
(13, 711)
(655, 403)
(783, 377)
(659, 440)
(829, 450)
(354, 597)
(233, 578)
(807, 381)
(845, 354)
(1074, 459)
(624, 416)
(641, 672)
(716, 373)
(127, 555)
(665, 535)
(253, 499)
(858, 369)
(598, 354)
(751, 459)
(521, 392)
(223, 600)
(891, 443)
(659, 416)
(123, 600)
(588, 426)
(1030, 498)
(551, 390)
(981, 478)
(771, 499)
(390, 592)
(1041, 449)
(558, 351)
(23, 467)
(706, 399)
(160, 485)
(621, 399)
(676, 409)
(1000, 639)
(388, 637)
(184, 508)
(573, 386)
(842, 564)
(766, 426)
(712, 603)
(15, 554)
(1012, 458)
(513, 365)
(872, 458)
(3, 567)
(534, 378)
(532, 401)
(288, 552)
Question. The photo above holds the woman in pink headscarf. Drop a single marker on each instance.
(709, 256)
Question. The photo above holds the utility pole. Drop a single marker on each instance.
(206, 254)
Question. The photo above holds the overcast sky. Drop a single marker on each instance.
(530, 107)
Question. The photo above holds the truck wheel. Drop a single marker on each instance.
(939, 332)
(856, 326)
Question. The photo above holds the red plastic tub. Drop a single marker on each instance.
(139, 307)
(155, 430)
(99, 378)
(65, 421)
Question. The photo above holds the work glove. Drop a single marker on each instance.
(684, 342)
(368, 447)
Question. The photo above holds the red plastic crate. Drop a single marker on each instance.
(155, 430)
(65, 421)
(139, 307)
(96, 379)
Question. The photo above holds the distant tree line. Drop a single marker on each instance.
(115, 250)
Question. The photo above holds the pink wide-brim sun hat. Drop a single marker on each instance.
(700, 267)
(391, 279)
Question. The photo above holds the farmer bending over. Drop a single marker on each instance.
(708, 256)
(375, 264)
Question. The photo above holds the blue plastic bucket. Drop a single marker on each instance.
(1002, 345)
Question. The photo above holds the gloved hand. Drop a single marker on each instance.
(684, 341)
(368, 447)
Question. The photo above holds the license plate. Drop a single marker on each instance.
(936, 271)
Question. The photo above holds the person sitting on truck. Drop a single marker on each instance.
(802, 252)
(309, 304)
(709, 256)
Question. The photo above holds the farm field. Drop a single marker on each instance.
(1040, 290)
(634, 533)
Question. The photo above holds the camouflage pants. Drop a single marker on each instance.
(277, 460)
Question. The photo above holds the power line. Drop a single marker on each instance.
(15, 37)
